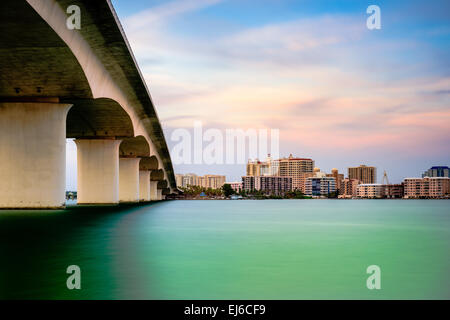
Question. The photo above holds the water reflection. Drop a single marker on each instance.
(271, 249)
(37, 247)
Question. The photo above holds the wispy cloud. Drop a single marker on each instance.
(294, 43)
(163, 13)
(326, 81)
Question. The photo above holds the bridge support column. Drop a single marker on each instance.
(153, 190)
(159, 195)
(129, 179)
(32, 154)
(144, 185)
(98, 171)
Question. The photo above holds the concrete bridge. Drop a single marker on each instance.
(85, 84)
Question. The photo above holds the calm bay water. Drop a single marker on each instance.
(270, 249)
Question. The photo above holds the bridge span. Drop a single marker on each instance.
(58, 83)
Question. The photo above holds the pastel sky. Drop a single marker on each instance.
(338, 92)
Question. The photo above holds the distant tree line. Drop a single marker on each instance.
(227, 191)
(259, 194)
(195, 191)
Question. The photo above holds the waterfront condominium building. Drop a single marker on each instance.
(369, 190)
(365, 174)
(201, 182)
(248, 183)
(268, 184)
(299, 169)
(428, 187)
(438, 171)
(273, 184)
(212, 181)
(207, 181)
(322, 186)
(348, 188)
(393, 190)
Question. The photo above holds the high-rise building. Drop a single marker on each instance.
(273, 184)
(322, 186)
(367, 175)
(262, 168)
(338, 177)
(347, 188)
(188, 179)
(254, 168)
(274, 166)
(299, 169)
(248, 183)
(437, 171)
(428, 187)
(268, 184)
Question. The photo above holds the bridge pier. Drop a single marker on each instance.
(153, 190)
(129, 179)
(159, 195)
(144, 185)
(98, 171)
(32, 154)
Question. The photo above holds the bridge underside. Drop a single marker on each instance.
(48, 92)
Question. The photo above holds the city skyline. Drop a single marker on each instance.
(295, 177)
(339, 93)
(379, 175)
(71, 165)
(363, 174)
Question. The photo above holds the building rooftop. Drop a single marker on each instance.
(296, 159)
(428, 178)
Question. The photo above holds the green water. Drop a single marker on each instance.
(272, 249)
